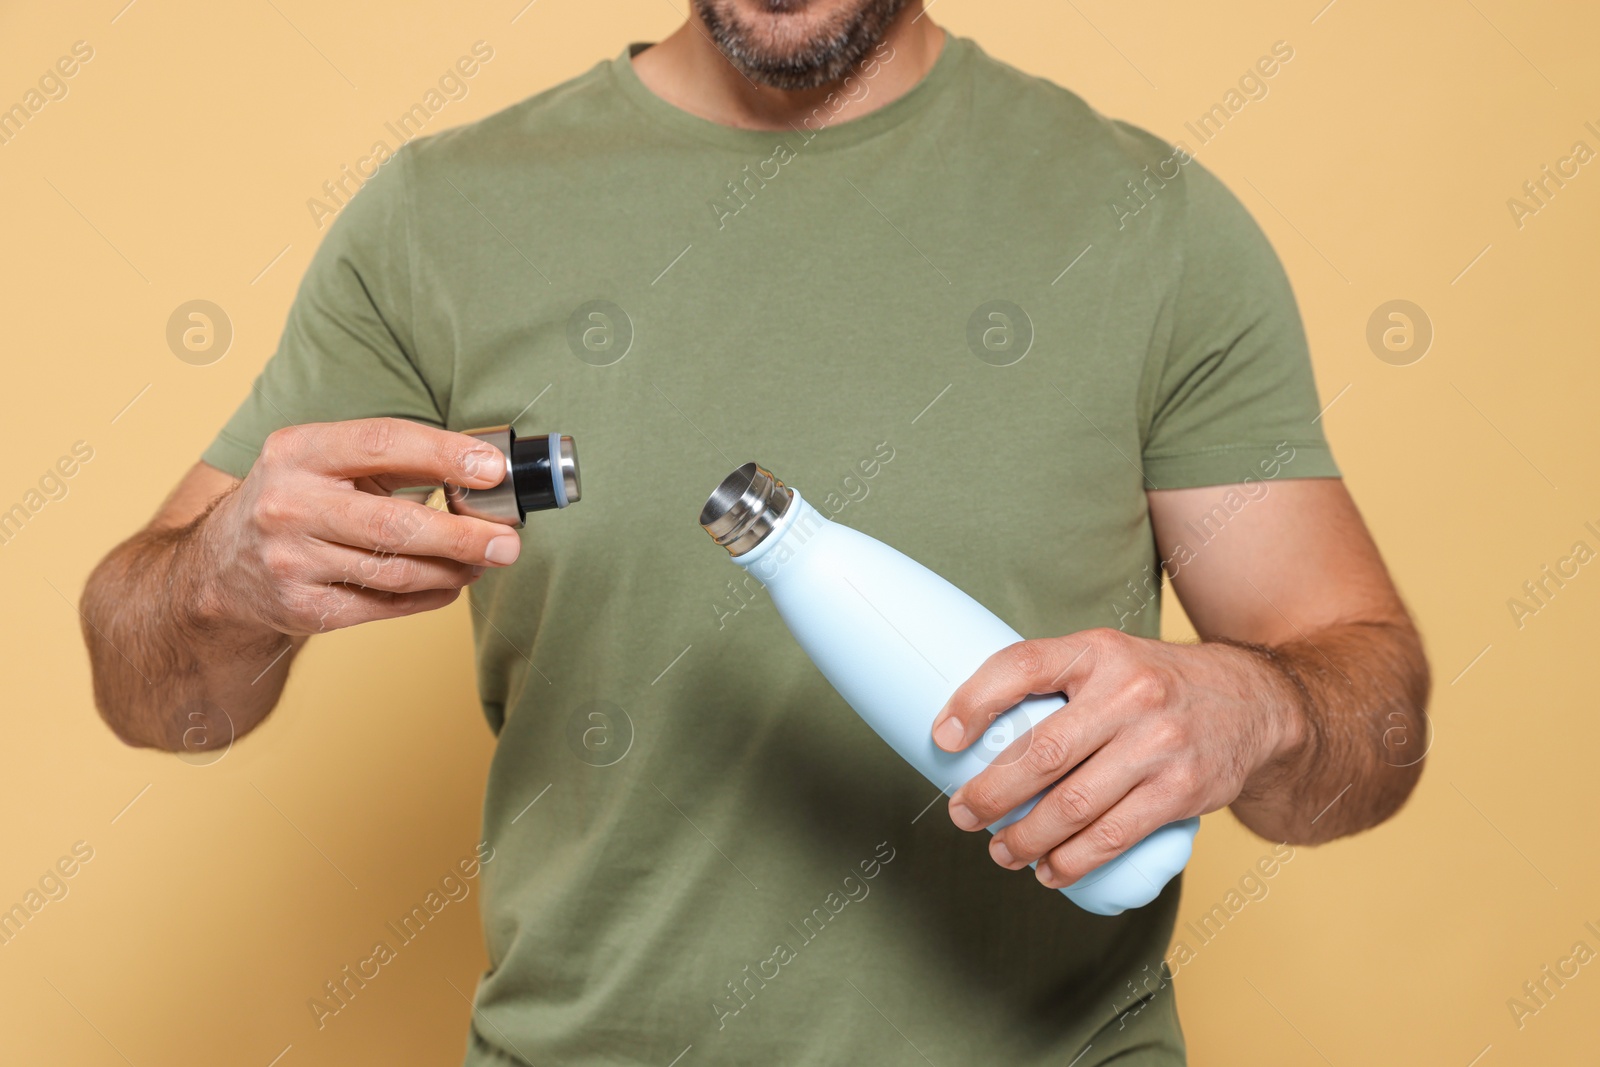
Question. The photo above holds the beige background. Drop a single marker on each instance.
(221, 897)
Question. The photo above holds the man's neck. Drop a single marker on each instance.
(689, 72)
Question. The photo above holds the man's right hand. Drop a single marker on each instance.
(201, 612)
(311, 540)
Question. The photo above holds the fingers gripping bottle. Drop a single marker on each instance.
(896, 640)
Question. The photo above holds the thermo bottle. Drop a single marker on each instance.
(896, 640)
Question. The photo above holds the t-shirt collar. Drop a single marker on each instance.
(818, 133)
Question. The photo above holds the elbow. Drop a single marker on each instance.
(133, 722)
(1405, 734)
(1398, 738)
(1369, 758)
(197, 729)
(1375, 801)
(1393, 787)
(151, 683)
(127, 731)
(123, 695)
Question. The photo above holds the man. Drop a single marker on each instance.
(1038, 350)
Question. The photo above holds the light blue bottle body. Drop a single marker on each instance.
(896, 640)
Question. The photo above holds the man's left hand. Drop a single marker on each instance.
(1154, 732)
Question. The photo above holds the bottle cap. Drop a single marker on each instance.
(745, 508)
(541, 474)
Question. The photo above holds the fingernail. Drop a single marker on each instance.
(1046, 875)
(962, 816)
(484, 463)
(504, 549)
(477, 572)
(1001, 854)
(949, 735)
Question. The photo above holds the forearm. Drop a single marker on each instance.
(170, 669)
(1354, 695)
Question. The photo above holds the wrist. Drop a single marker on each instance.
(1268, 682)
(201, 588)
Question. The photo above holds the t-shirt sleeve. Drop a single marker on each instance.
(346, 351)
(1234, 397)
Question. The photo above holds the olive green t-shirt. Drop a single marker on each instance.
(979, 324)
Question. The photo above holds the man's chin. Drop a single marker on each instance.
(796, 45)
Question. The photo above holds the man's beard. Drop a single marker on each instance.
(783, 61)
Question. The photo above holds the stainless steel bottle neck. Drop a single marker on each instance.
(743, 510)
